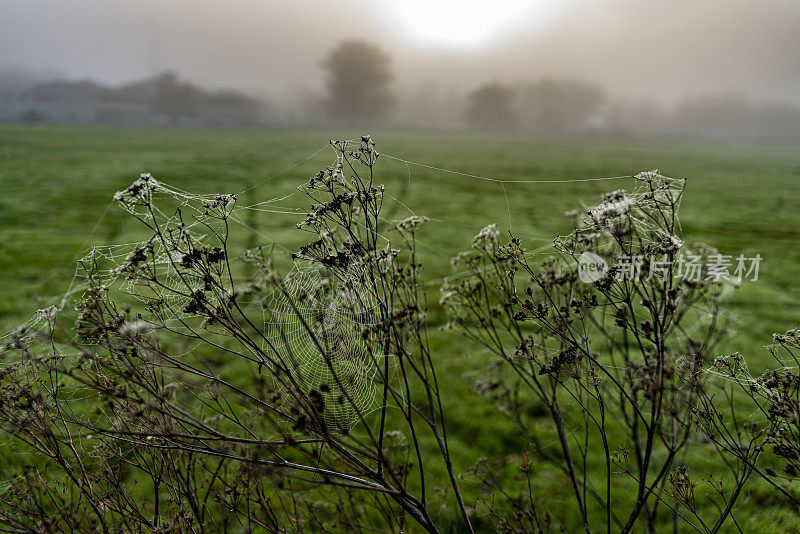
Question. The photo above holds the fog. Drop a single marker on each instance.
(653, 54)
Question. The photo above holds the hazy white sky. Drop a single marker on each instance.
(661, 49)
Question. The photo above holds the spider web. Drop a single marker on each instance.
(322, 326)
(319, 322)
(620, 210)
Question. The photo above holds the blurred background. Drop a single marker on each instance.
(565, 99)
(714, 68)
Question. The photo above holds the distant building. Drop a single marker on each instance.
(74, 102)
(159, 100)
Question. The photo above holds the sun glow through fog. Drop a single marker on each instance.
(465, 23)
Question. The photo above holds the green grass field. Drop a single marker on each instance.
(57, 185)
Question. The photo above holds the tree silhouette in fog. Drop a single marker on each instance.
(560, 106)
(174, 99)
(490, 106)
(358, 81)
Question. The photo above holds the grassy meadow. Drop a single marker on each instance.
(57, 184)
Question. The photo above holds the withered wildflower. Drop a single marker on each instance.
(605, 362)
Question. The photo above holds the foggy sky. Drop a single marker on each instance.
(662, 50)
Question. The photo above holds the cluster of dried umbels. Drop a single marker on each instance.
(167, 405)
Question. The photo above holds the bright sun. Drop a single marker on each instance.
(462, 22)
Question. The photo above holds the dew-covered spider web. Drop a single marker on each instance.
(318, 322)
(649, 208)
(322, 326)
